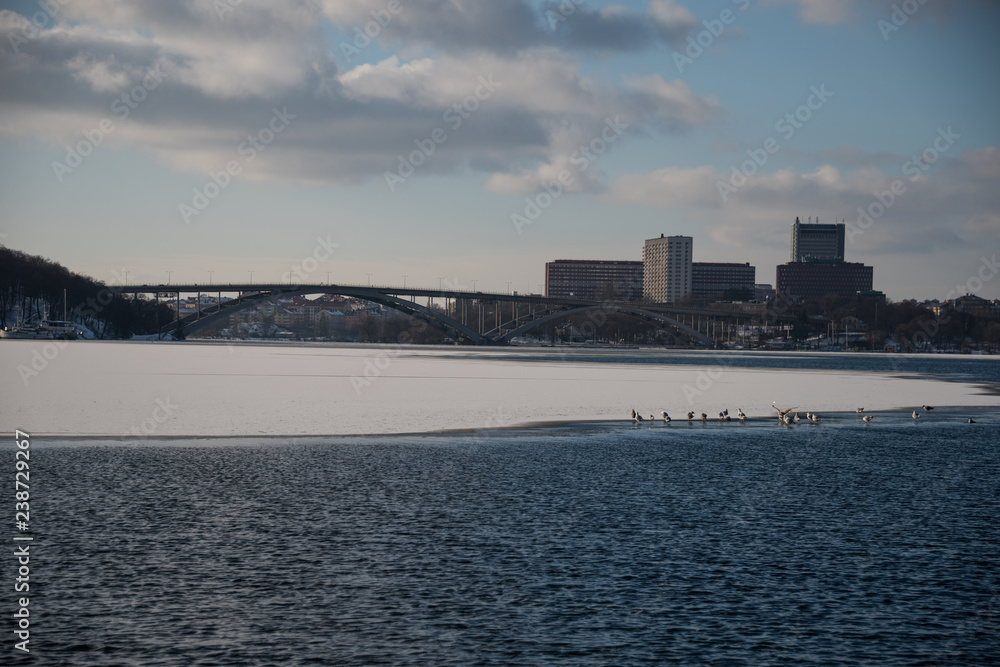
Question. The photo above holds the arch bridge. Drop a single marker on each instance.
(512, 314)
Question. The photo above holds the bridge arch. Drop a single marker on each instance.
(446, 325)
(640, 313)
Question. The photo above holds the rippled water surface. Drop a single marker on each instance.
(598, 545)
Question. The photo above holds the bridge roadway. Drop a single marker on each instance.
(393, 297)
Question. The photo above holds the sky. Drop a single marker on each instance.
(392, 141)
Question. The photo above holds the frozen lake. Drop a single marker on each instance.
(201, 389)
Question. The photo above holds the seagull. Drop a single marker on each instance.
(633, 414)
(814, 418)
(860, 410)
(638, 417)
(927, 408)
(726, 412)
(797, 420)
(786, 420)
(704, 417)
(867, 418)
(916, 415)
(651, 417)
(971, 421)
(690, 416)
(739, 413)
(782, 413)
(666, 417)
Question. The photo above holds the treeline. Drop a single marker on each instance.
(33, 286)
(912, 326)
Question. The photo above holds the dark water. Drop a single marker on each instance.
(599, 545)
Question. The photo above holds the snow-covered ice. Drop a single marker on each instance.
(195, 389)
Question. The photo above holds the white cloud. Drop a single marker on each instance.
(956, 203)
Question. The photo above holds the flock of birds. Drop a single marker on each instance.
(785, 417)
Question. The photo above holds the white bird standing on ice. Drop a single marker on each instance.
(867, 418)
(739, 413)
(690, 416)
(814, 418)
(796, 419)
(704, 417)
(638, 417)
(916, 415)
(666, 417)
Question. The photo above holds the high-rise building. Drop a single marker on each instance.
(813, 280)
(815, 241)
(593, 279)
(666, 268)
(723, 280)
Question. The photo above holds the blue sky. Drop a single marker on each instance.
(231, 69)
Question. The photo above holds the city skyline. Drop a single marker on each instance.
(478, 141)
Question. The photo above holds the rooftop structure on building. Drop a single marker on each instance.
(593, 279)
(815, 241)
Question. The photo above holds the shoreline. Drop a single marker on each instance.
(897, 416)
